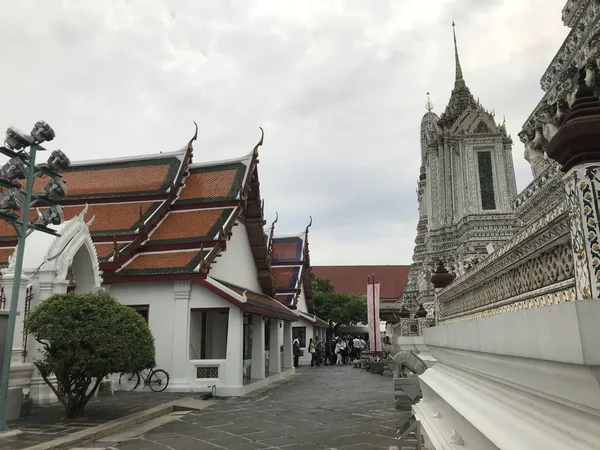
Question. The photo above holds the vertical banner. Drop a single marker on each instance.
(373, 290)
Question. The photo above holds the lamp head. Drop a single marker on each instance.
(58, 161)
(42, 132)
(16, 140)
(56, 188)
(51, 216)
(14, 169)
(10, 200)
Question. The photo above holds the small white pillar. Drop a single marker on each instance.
(287, 345)
(234, 365)
(274, 345)
(258, 347)
(179, 381)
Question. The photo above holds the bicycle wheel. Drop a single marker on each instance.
(158, 380)
(129, 381)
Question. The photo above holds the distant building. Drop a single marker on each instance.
(353, 280)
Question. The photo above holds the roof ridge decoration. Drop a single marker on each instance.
(306, 251)
(259, 143)
(271, 237)
(190, 146)
(428, 105)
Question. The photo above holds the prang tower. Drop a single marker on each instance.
(466, 190)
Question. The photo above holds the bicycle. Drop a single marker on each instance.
(157, 379)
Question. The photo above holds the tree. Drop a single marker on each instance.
(338, 309)
(85, 337)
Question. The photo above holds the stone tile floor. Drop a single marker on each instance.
(49, 422)
(321, 408)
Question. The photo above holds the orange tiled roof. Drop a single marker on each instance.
(118, 179)
(285, 277)
(213, 183)
(163, 263)
(5, 253)
(287, 249)
(190, 226)
(113, 218)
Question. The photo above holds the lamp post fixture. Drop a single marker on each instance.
(21, 166)
(440, 279)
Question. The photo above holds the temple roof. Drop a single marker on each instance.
(290, 264)
(162, 215)
(461, 98)
(353, 279)
(256, 302)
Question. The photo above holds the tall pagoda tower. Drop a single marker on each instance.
(466, 189)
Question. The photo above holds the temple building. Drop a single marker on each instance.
(516, 344)
(183, 244)
(466, 189)
(290, 264)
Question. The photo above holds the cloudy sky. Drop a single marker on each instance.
(338, 85)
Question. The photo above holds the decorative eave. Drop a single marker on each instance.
(254, 218)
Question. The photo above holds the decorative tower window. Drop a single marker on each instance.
(486, 180)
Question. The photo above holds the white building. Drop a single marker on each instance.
(517, 345)
(184, 245)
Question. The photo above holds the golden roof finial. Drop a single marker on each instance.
(428, 105)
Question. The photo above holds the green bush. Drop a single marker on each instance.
(85, 337)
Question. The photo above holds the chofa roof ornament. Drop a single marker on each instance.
(260, 142)
(190, 146)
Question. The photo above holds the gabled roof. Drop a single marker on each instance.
(161, 215)
(122, 177)
(250, 301)
(290, 265)
(353, 279)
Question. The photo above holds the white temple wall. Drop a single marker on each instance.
(159, 298)
(236, 265)
(83, 272)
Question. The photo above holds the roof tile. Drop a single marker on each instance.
(190, 226)
(213, 183)
(287, 249)
(182, 262)
(353, 279)
(118, 179)
(285, 277)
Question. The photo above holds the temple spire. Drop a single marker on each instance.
(459, 82)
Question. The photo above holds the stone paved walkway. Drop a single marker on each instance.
(49, 422)
(325, 408)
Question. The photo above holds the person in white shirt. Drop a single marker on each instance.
(357, 347)
(338, 352)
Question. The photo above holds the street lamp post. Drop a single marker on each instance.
(9, 202)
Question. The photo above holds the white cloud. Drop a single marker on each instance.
(339, 87)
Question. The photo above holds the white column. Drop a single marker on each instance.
(235, 344)
(40, 392)
(258, 347)
(287, 345)
(179, 381)
(274, 345)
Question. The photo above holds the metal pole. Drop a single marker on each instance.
(14, 299)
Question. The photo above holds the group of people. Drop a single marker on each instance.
(336, 351)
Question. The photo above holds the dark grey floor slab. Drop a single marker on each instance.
(328, 408)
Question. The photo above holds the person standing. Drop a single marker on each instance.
(338, 352)
(296, 347)
(313, 353)
(318, 351)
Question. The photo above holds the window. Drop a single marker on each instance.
(300, 334)
(142, 310)
(486, 180)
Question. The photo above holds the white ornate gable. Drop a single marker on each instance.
(53, 256)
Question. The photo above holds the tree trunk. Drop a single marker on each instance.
(75, 407)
